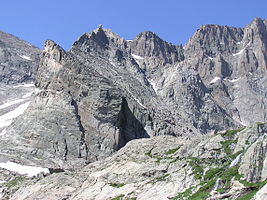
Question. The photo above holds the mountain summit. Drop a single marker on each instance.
(105, 92)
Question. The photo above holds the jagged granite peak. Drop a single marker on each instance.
(18, 60)
(214, 40)
(53, 58)
(153, 52)
(101, 114)
(149, 44)
(101, 95)
(99, 40)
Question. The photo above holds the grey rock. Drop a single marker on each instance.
(253, 164)
(105, 93)
(146, 169)
(18, 60)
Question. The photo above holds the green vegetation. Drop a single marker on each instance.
(157, 157)
(209, 180)
(15, 182)
(227, 146)
(117, 185)
(172, 151)
(120, 197)
(231, 133)
(249, 195)
(187, 193)
(260, 123)
(221, 190)
(149, 153)
(198, 170)
(256, 185)
(226, 174)
(212, 172)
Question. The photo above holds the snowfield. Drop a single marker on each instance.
(6, 119)
(26, 57)
(137, 57)
(215, 79)
(29, 171)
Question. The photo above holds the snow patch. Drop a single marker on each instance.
(27, 95)
(139, 103)
(112, 63)
(239, 121)
(26, 57)
(215, 79)
(129, 40)
(3, 132)
(24, 85)
(210, 58)
(1, 182)
(240, 52)
(235, 161)
(234, 80)
(10, 103)
(153, 85)
(30, 171)
(137, 57)
(6, 119)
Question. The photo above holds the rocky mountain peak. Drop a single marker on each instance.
(99, 42)
(105, 93)
(148, 44)
(215, 39)
(52, 60)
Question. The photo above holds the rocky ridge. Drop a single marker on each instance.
(105, 91)
(18, 60)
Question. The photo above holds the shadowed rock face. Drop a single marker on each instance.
(18, 60)
(107, 91)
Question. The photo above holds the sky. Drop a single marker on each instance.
(175, 21)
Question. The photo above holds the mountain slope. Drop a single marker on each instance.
(106, 91)
(206, 167)
(18, 60)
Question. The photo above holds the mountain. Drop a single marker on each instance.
(166, 109)
(18, 66)
(18, 60)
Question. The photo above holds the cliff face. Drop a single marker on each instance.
(103, 93)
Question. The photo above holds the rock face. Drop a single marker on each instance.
(113, 91)
(203, 167)
(18, 60)
(18, 66)
(105, 92)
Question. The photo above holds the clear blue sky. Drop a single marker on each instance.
(173, 20)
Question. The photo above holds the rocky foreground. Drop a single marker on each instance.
(140, 119)
(228, 165)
